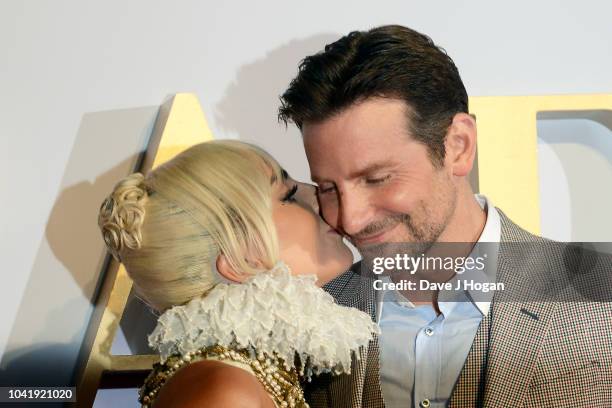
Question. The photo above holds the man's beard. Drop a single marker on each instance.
(419, 240)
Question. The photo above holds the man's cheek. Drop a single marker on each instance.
(329, 212)
(396, 200)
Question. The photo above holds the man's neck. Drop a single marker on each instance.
(467, 222)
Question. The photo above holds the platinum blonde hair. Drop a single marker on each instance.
(169, 227)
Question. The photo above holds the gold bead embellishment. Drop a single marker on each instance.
(283, 385)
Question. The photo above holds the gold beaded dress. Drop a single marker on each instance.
(279, 327)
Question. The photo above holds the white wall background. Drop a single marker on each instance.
(80, 82)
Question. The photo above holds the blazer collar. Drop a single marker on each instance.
(353, 289)
(510, 336)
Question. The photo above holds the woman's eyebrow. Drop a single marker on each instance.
(284, 176)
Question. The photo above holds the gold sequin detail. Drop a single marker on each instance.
(283, 385)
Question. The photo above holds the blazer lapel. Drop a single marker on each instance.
(361, 389)
(501, 361)
(518, 327)
(347, 390)
(469, 389)
(372, 392)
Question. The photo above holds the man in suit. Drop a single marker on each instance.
(390, 144)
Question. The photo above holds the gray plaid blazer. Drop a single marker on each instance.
(552, 353)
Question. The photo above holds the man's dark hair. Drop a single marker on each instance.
(389, 61)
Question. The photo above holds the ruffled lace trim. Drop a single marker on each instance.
(274, 313)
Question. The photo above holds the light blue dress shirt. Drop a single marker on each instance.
(421, 353)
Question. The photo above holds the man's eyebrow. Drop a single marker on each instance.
(371, 168)
(316, 179)
(368, 169)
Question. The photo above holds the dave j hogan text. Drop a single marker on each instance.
(424, 284)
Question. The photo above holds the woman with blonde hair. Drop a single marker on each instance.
(230, 251)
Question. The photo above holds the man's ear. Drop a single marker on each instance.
(225, 269)
(460, 144)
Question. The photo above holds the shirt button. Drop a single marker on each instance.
(429, 331)
(425, 403)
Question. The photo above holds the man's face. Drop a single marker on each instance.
(377, 185)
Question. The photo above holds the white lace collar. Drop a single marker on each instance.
(272, 312)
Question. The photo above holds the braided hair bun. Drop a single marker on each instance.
(122, 214)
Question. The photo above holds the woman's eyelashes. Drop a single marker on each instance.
(289, 196)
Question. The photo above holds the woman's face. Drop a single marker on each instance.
(307, 244)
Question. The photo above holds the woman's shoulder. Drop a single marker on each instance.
(210, 383)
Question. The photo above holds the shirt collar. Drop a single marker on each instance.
(491, 233)
(486, 248)
(492, 229)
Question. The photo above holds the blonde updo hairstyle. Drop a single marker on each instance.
(169, 227)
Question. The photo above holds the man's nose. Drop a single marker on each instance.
(354, 212)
